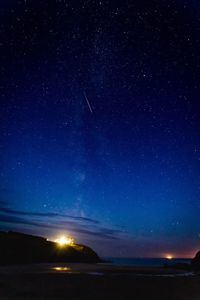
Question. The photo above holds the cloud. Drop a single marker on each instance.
(57, 221)
(18, 220)
(48, 214)
(23, 221)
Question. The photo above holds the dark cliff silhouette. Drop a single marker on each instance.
(196, 261)
(19, 248)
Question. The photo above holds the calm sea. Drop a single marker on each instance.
(149, 262)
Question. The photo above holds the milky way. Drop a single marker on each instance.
(100, 122)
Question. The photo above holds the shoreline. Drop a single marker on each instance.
(95, 269)
(76, 281)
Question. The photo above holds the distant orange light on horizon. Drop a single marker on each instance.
(175, 255)
(169, 257)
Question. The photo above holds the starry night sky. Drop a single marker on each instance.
(100, 122)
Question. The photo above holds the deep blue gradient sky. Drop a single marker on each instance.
(100, 122)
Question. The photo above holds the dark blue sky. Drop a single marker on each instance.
(100, 122)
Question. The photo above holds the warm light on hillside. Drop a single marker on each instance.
(65, 241)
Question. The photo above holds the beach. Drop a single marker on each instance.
(97, 281)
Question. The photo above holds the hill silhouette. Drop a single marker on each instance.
(20, 248)
(196, 261)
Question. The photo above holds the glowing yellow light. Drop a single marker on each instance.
(169, 257)
(65, 241)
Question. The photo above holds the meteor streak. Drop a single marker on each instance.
(88, 103)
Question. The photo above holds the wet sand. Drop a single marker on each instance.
(101, 281)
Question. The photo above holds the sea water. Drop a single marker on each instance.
(148, 262)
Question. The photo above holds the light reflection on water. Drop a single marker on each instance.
(61, 269)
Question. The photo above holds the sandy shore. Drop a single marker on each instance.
(101, 281)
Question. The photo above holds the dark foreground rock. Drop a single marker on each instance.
(196, 261)
(22, 248)
(179, 266)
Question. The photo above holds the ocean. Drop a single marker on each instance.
(148, 262)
